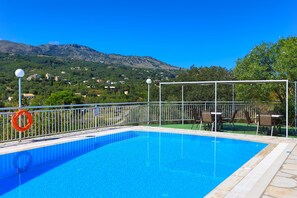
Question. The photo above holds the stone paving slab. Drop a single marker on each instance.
(284, 183)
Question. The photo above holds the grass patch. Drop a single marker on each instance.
(240, 128)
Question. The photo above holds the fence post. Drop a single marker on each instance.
(183, 105)
(96, 114)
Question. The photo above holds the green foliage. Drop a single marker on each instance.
(286, 58)
(96, 82)
(268, 61)
(201, 92)
(258, 65)
(63, 98)
(2, 104)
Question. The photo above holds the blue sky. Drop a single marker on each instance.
(181, 33)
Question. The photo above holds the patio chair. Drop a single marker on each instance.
(248, 119)
(230, 120)
(196, 118)
(233, 118)
(265, 120)
(207, 120)
(293, 122)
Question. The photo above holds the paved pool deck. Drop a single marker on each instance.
(271, 173)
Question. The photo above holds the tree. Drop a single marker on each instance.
(268, 61)
(38, 100)
(1, 104)
(63, 98)
(203, 92)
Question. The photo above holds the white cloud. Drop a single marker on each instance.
(54, 42)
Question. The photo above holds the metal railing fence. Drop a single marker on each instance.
(173, 111)
(50, 120)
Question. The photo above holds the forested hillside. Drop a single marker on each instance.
(85, 82)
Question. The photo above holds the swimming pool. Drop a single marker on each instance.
(127, 164)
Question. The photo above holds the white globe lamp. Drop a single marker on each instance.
(19, 73)
(148, 81)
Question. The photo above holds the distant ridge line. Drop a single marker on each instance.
(81, 52)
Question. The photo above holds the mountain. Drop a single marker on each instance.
(80, 52)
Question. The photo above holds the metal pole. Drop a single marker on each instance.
(182, 104)
(233, 98)
(160, 105)
(20, 104)
(215, 106)
(20, 92)
(148, 103)
(287, 108)
(295, 106)
(96, 113)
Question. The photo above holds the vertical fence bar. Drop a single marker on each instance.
(295, 107)
(160, 104)
(96, 113)
(233, 98)
(183, 110)
(216, 97)
(287, 108)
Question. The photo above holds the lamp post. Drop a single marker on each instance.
(20, 74)
(148, 81)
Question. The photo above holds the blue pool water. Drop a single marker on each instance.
(128, 164)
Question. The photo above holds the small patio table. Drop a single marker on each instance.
(219, 119)
(276, 121)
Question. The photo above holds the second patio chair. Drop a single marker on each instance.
(207, 120)
(265, 120)
(231, 120)
(196, 118)
(248, 119)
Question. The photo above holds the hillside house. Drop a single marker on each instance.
(57, 78)
(48, 76)
(28, 95)
(34, 77)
